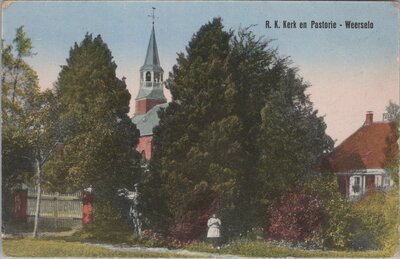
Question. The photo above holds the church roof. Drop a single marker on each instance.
(370, 147)
(155, 94)
(152, 61)
(146, 122)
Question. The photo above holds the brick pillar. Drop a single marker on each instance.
(20, 205)
(87, 208)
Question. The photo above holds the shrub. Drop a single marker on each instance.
(314, 214)
(334, 232)
(106, 214)
(295, 217)
(375, 221)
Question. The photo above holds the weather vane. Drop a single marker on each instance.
(153, 16)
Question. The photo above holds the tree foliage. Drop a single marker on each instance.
(29, 123)
(392, 152)
(19, 89)
(393, 110)
(20, 92)
(239, 132)
(99, 138)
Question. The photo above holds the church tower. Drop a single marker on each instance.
(151, 91)
(150, 99)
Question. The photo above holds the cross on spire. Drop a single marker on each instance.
(152, 15)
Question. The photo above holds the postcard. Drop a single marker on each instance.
(200, 128)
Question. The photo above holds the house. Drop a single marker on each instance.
(150, 98)
(361, 161)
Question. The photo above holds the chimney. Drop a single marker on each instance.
(369, 118)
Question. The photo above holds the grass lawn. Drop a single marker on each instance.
(72, 246)
(264, 249)
(28, 247)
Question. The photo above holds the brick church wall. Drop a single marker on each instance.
(143, 106)
(145, 145)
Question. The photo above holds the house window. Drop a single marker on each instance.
(356, 187)
(378, 180)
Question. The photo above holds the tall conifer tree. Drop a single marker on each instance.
(99, 144)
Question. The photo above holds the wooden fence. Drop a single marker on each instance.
(56, 209)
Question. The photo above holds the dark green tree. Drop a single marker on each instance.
(189, 173)
(284, 137)
(256, 70)
(224, 144)
(292, 139)
(99, 137)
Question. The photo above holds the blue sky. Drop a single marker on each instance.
(351, 71)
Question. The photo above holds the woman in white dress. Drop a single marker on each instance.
(214, 232)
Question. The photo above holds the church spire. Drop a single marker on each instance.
(152, 60)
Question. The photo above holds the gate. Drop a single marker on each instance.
(56, 210)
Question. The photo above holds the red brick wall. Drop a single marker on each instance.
(143, 106)
(145, 145)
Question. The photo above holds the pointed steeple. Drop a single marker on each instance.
(152, 61)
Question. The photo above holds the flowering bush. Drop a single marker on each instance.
(295, 217)
(191, 226)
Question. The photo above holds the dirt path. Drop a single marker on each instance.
(126, 248)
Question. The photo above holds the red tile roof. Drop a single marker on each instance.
(370, 147)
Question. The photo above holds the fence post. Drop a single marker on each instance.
(20, 204)
(56, 210)
(87, 209)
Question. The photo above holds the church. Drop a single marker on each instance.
(150, 98)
